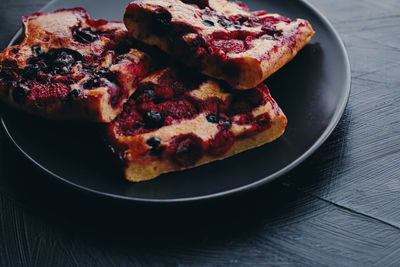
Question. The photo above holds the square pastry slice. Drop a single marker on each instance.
(69, 66)
(222, 39)
(177, 120)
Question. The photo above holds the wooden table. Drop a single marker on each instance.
(341, 207)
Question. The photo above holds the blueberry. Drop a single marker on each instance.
(208, 23)
(75, 93)
(31, 71)
(20, 93)
(93, 82)
(224, 22)
(154, 119)
(101, 72)
(37, 50)
(62, 60)
(64, 69)
(222, 120)
(271, 32)
(85, 35)
(225, 123)
(238, 27)
(149, 93)
(155, 142)
(100, 78)
(212, 118)
(106, 73)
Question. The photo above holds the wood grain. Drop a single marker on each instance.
(363, 172)
(339, 208)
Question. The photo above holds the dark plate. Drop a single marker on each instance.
(312, 90)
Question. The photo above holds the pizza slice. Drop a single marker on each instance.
(69, 66)
(220, 38)
(177, 120)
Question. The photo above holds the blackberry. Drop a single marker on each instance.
(37, 50)
(208, 23)
(224, 22)
(212, 118)
(154, 119)
(85, 35)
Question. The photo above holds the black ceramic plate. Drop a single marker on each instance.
(312, 90)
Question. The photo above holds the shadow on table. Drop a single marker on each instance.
(119, 223)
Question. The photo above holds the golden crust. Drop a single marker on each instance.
(51, 31)
(141, 164)
(138, 171)
(263, 56)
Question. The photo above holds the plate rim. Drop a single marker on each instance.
(251, 186)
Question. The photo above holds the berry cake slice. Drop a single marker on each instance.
(71, 67)
(177, 120)
(222, 39)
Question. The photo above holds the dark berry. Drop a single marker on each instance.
(271, 32)
(85, 35)
(186, 150)
(75, 93)
(36, 50)
(202, 4)
(208, 23)
(148, 95)
(62, 60)
(93, 82)
(221, 143)
(154, 142)
(145, 95)
(64, 69)
(107, 74)
(8, 70)
(101, 72)
(20, 93)
(156, 149)
(114, 90)
(212, 118)
(105, 77)
(36, 65)
(224, 22)
(31, 71)
(154, 119)
(225, 123)
(238, 27)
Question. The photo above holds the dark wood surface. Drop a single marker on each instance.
(340, 208)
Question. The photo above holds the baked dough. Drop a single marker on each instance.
(69, 66)
(220, 38)
(177, 120)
